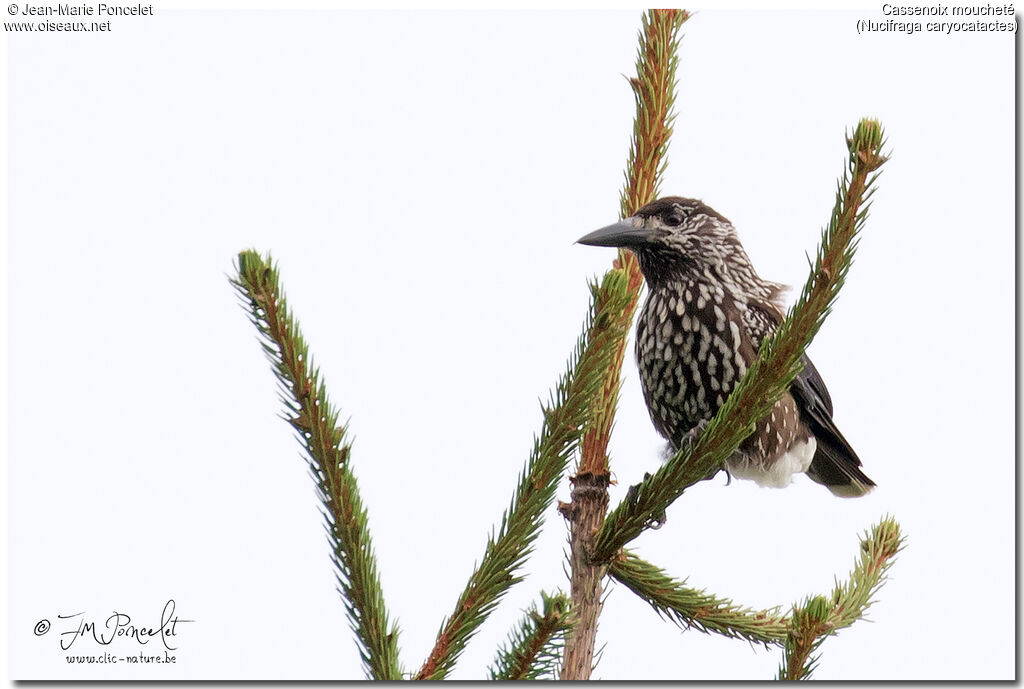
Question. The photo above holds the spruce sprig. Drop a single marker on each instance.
(778, 362)
(696, 609)
(564, 420)
(534, 646)
(654, 90)
(818, 617)
(801, 633)
(654, 93)
(315, 421)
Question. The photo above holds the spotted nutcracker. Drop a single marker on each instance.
(706, 313)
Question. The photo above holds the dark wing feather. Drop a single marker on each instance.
(835, 463)
(812, 395)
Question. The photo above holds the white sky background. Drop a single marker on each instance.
(420, 178)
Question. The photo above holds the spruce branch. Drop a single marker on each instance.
(318, 430)
(808, 628)
(778, 362)
(692, 608)
(819, 617)
(564, 420)
(535, 645)
(654, 93)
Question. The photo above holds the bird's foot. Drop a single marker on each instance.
(688, 441)
(692, 435)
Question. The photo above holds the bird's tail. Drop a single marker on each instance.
(838, 471)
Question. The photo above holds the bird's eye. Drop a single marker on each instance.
(673, 219)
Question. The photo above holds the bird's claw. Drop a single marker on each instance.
(693, 435)
(689, 440)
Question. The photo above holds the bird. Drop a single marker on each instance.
(700, 328)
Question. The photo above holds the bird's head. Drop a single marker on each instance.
(674, 236)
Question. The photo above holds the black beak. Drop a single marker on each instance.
(622, 233)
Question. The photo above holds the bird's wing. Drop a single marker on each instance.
(815, 406)
(835, 463)
(809, 385)
(808, 389)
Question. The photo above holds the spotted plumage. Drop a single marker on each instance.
(706, 314)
